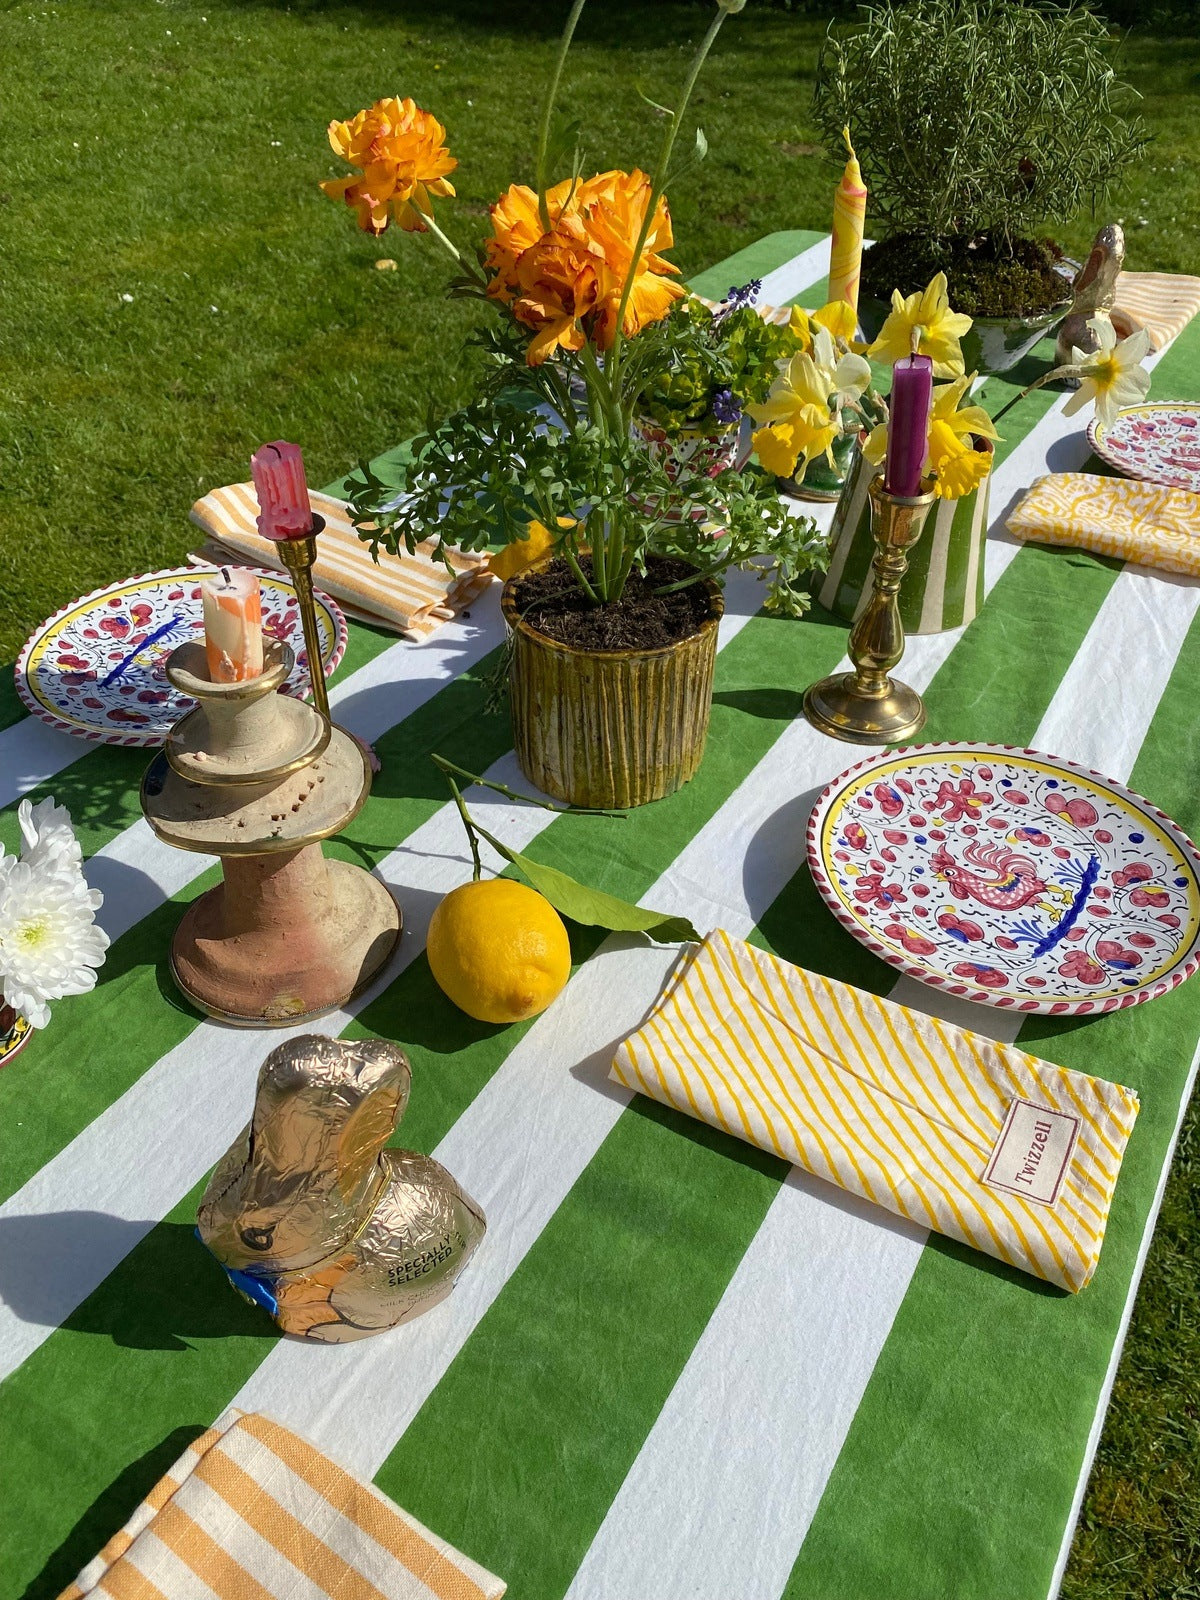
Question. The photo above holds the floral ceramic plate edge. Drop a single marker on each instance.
(78, 670)
(1134, 880)
(1137, 442)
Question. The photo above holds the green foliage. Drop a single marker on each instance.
(977, 116)
(697, 357)
(483, 475)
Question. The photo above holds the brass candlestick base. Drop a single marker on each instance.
(298, 556)
(866, 706)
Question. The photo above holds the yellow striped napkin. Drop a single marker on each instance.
(251, 1512)
(1141, 522)
(1161, 302)
(976, 1140)
(412, 594)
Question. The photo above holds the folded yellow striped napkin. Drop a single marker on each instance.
(251, 1512)
(976, 1140)
(411, 594)
(1141, 522)
(1161, 302)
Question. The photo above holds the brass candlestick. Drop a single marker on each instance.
(298, 556)
(866, 706)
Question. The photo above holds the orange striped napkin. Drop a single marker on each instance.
(974, 1139)
(413, 594)
(251, 1512)
(1161, 302)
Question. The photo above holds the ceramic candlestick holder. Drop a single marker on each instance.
(867, 706)
(259, 779)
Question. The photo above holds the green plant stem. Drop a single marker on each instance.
(451, 770)
(564, 45)
(469, 267)
(572, 561)
(657, 182)
(468, 824)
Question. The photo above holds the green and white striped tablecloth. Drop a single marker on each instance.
(676, 1368)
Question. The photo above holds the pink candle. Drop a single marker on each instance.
(910, 407)
(232, 625)
(283, 503)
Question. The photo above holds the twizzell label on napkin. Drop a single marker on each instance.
(1031, 1155)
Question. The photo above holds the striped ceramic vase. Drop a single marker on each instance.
(943, 587)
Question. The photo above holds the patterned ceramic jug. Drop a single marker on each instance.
(943, 587)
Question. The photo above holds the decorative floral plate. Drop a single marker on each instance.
(1010, 877)
(1160, 443)
(96, 668)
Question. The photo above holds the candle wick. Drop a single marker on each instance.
(225, 575)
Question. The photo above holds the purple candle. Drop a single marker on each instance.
(908, 425)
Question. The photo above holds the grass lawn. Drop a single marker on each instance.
(175, 290)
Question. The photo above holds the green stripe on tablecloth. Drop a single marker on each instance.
(101, 789)
(87, 1384)
(102, 1042)
(998, 1376)
(530, 1428)
(755, 261)
(11, 709)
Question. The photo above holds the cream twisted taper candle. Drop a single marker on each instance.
(849, 217)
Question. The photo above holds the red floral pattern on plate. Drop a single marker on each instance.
(1036, 884)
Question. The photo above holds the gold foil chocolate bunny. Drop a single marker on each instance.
(1095, 293)
(312, 1218)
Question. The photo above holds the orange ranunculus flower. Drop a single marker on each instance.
(557, 286)
(567, 283)
(402, 156)
(517, 227)
(614, 220)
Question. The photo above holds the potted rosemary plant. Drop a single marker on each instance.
(1015, 120)
(614, 628)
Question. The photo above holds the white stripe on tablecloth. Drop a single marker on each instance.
(1108, 696)
(31, 753)
(136, 872)
(1089, 1454)
(126, 1170)
(677, 1524)
(796, 275)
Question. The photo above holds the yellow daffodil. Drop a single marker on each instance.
(796, 417)
(838, 316)
(948, 408)
(1111, 376)
(927, 319)
(957, 466)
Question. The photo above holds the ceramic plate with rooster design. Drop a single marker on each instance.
(96, 668)
(1009, 877)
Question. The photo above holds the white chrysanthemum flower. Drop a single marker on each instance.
(49, 942)
(48, 835)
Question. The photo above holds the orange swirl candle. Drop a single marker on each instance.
(849, 218)
(232, 625)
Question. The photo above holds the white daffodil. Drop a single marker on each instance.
(47, 834)
(846, 376)
(50, 945)
(1112, 376)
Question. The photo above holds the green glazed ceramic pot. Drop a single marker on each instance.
(992, 344)
(820, 481)
(943, 587)
(610, 727)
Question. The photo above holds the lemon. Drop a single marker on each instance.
(499, 950)
(522, 554)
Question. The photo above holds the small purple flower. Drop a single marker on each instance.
(738, 298)
(726, 406)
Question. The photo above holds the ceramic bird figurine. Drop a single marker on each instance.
(312, 1218)
(1095, 290)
